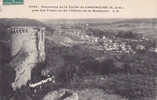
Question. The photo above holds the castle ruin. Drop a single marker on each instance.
(27, 46)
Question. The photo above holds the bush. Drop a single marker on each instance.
(144, 64)
(131, 86)
(128, 35)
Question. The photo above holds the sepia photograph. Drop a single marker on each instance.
(78, 59)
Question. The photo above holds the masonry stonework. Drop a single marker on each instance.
(27, 49)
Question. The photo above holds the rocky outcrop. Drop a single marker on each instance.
(62, 94)
(83, 94)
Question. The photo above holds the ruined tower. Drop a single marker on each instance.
(27, 49)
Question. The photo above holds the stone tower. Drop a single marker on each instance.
(27, 49)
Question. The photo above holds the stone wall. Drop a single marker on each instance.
(27, 49)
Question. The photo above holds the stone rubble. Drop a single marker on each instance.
(62, 94)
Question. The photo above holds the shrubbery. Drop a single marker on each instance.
(132, 86)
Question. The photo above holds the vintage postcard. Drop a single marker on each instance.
(78, 50)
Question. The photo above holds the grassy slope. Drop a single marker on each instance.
(126, 76)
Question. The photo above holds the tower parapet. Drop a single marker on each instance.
(21, 35)
(22, 29)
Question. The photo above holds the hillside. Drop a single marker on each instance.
(117, 58)
(114, 56)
